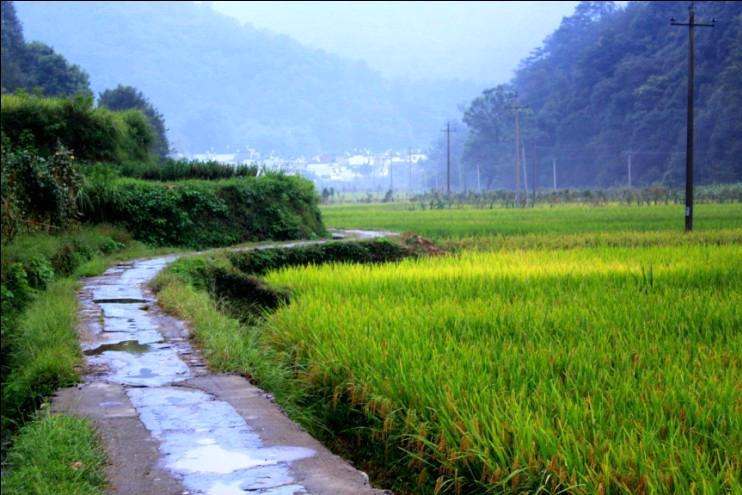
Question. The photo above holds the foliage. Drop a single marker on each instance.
(129, 98)
(260, 261)
(38, 346)
(207, 213)
(41, 352)
(55, 454)
(11, 48)
(599, 370)
(38, 193)
(92, 134)
(36, 66)
(612, 80)
(173, 170)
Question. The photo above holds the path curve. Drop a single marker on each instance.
(169, 425)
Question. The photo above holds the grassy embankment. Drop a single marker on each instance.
(611, 367)
(65, 161)
(50, 453)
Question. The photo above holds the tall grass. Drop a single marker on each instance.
(55, 454)
(593, 370)
(173, 170)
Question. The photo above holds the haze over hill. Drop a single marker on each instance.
(223, 85)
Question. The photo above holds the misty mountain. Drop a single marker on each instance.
(223, 85)
(609, 88)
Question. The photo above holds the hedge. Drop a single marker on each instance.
(196, 213)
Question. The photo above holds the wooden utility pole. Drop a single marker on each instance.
(534, 173)
(525, 175)
(517, 156)
(553, 172)
(391, 174)
(518, 150)
(448, 159)
(409, 166)
(448, 132)
(691, 24)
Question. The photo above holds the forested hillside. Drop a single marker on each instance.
(223, 85)
(609, 86)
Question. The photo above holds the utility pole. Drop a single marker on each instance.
(628, 166)
(409, 166)
(525, 175)
(391, 175)
(534, 173)
(516, 110)
(553, 171)
(479, 182)
(448, 132)
(448, 159)
(692, 24)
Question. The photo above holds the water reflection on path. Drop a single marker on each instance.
(203, 441)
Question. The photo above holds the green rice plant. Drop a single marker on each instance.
(469, 222)
(591, 370)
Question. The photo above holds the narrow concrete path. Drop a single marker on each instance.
(169, 425)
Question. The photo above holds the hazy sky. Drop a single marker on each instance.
(480, 41)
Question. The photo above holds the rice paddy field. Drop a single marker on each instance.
(545, 221)
(513, 366)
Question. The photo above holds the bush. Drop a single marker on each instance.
(38, 192)
(206, 213)
(92, 134)
(31, 262)
(260, 261)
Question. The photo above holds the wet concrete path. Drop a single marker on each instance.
(168, 424)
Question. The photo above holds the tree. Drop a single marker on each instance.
(12, 49)
(127, 98)
(610, 83)
(490, 143)
(36, 66)
(50, 72)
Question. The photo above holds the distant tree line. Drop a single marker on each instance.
(35, 67)
(605, 91)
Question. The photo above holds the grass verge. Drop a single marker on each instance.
(54, 455)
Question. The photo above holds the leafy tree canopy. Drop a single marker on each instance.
(36, 66)
(128, 98)
(609, 84)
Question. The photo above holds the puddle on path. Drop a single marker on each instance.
(204, 442)
(131, 346)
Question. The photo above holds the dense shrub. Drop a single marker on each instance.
(172, 170)
(39, 351)
(38, 193)
(260, 261)
(206, 213)
(92, 134)
(32, 261)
